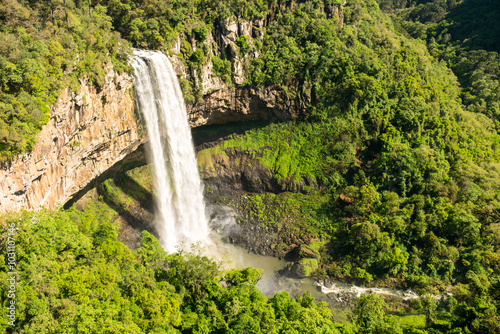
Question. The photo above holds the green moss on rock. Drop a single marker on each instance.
(305, 267)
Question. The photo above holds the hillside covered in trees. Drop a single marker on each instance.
(398, 143)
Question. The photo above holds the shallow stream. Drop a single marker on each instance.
(335, 293)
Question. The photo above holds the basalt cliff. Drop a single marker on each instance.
(87, 133)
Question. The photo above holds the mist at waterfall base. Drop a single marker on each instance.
(222, 224)
(335, 293)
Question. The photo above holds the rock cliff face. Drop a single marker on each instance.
(233, 170)
(87, 133)
(241, 104)
(221, 101)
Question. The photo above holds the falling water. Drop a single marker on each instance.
(180, 208)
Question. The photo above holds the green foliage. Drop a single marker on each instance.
(305, 267)
(222, 68)
(201, 31)
(291, 211)
(409, 171)
(243, 43)
(43, 51)
(198, 57)
(464, 35)
(290, 150)
(474, 306)
(247, 275)
(410, 165)
(74, 276)
(369, 316)
(401, 163)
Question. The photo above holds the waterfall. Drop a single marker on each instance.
(180, 209)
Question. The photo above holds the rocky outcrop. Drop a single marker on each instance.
(88, 132)
(233, 170)
(221, 102)
(242, 104)
(303, 262)
(264, 240)
(337, 11)
(229, 175)
(91, 130)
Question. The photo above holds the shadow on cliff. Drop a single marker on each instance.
(133, 202)
(142, 195)
(137, 208)
(133, 160)
(203, 137)
(475, 23)
(210, 135)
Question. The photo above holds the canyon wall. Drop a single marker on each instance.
(88, 132)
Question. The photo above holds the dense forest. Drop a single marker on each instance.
(399, 142)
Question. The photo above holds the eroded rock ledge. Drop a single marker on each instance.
(235, 104)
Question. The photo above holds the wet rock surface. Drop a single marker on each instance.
(256, 239)
(233, 100)
(238, 170)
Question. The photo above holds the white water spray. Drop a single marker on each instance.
(180, 208)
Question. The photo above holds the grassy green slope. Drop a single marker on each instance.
(411, 172)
